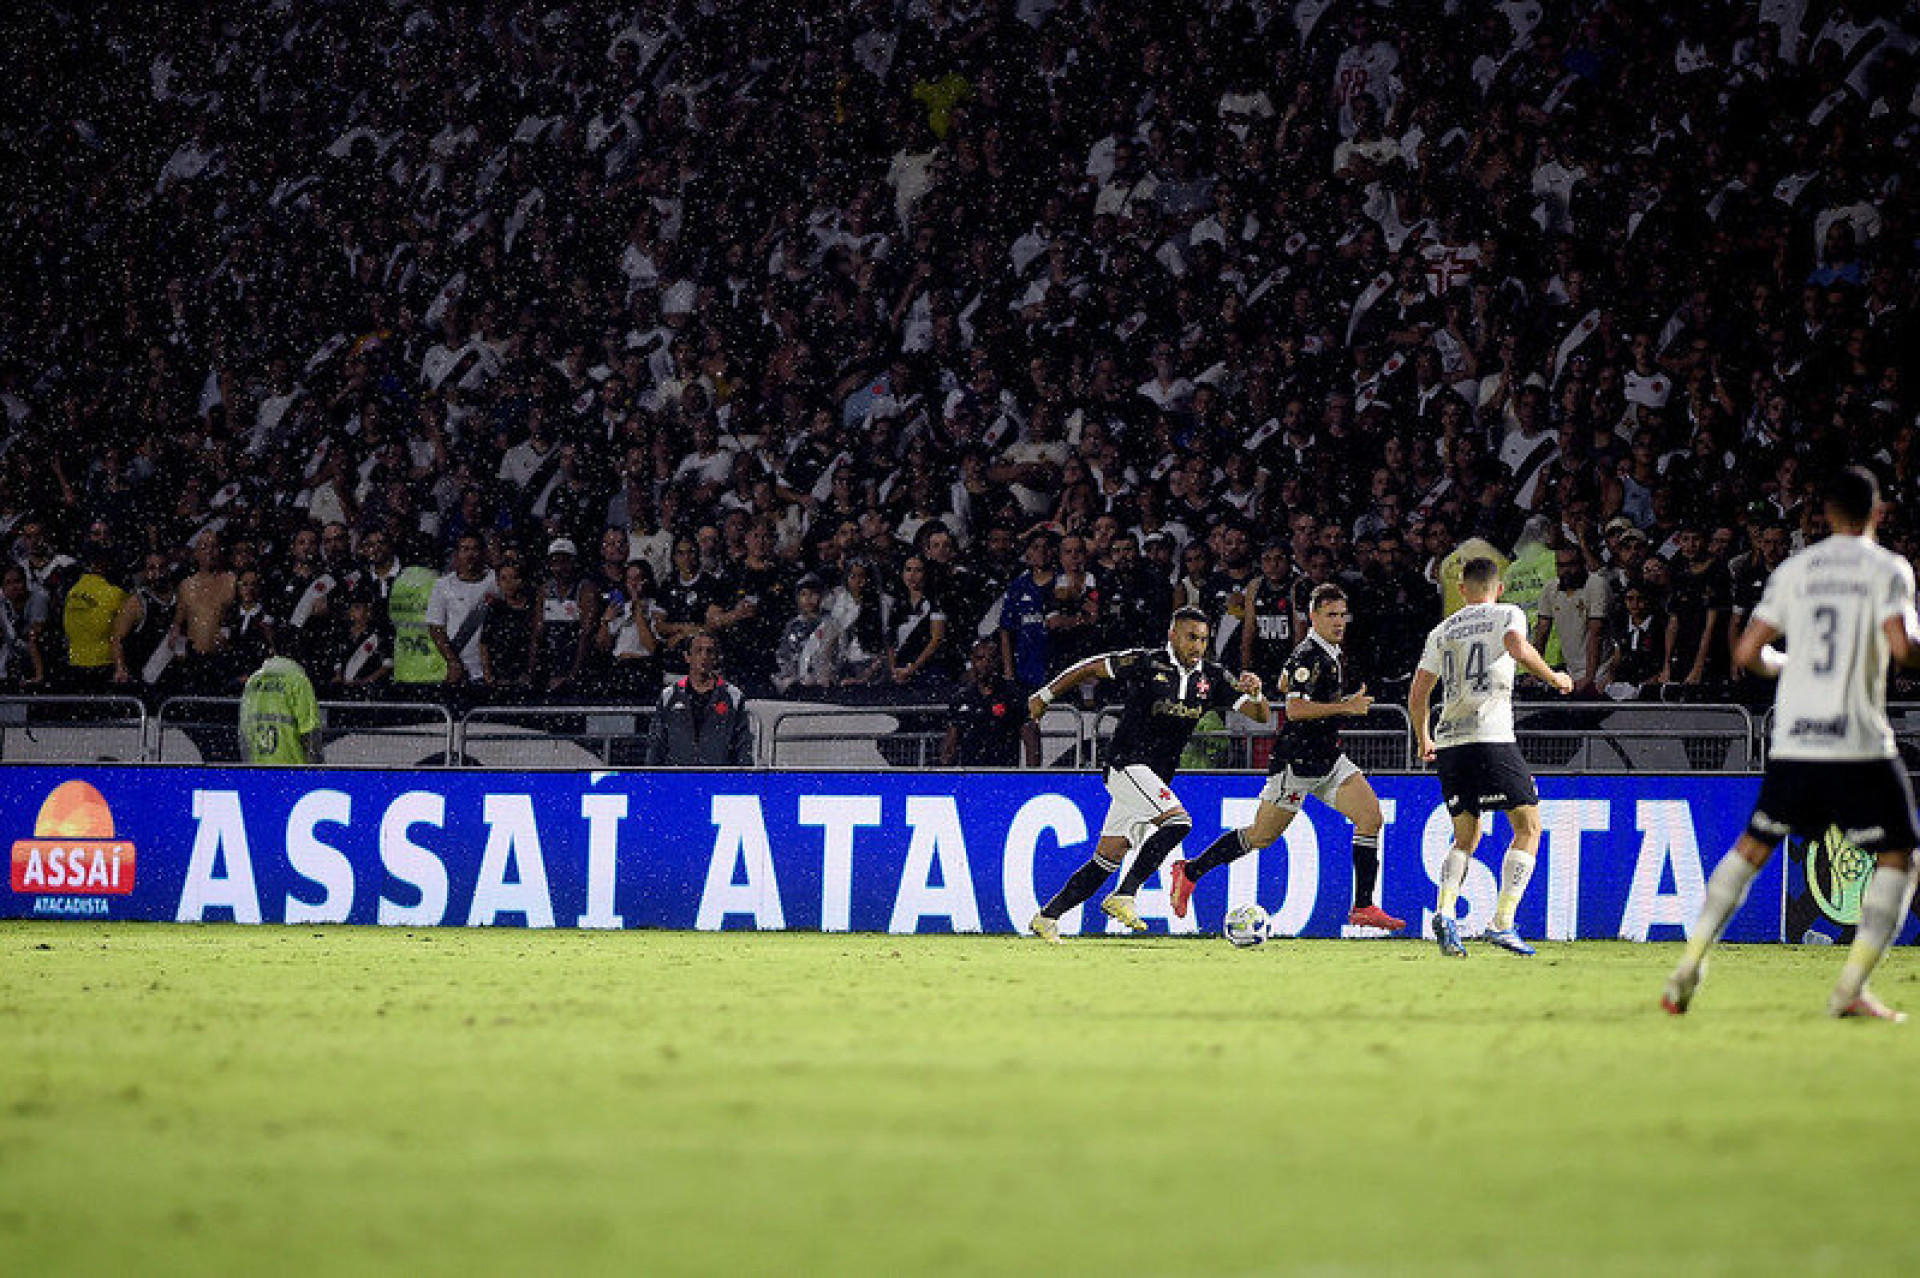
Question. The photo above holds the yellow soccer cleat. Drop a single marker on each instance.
(1045, 928)
(1121, 908)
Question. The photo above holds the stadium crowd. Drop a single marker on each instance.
(503, 347)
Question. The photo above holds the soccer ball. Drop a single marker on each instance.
(1246, 925)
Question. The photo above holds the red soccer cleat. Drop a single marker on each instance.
(1869, 1005)
(1374, 916)
(1179, 887)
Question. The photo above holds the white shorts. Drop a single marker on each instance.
(1139, 798)
(1287, 789)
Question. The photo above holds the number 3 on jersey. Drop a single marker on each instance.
(1826, 620)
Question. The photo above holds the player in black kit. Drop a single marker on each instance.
(1164, 691)
(1307, 760)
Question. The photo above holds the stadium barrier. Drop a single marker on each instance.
(73, 729)
(1623, 857)
(363, 733)
(1576, 738)
(805, 735)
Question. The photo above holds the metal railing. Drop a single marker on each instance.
(865, 738)
(367, 733)
(1601, 737)
(1555, 737)
(67, 729)
(590, 736)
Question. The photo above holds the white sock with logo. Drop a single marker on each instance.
(1516, 870)
(1452, 874)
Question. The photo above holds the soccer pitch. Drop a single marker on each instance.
(302, 1099)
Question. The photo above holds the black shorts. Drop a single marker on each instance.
(1484, 776)
(1869, 799)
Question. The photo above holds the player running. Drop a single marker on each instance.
(1164, 692)
(1844, 605)
(1307, 760)
(1471, 656)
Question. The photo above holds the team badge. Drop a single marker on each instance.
(1200, 686)
(1302, 676)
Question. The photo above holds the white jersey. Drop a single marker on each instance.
(1830, 601)
(1468, 654)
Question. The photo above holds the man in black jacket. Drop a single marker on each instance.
(702, 719)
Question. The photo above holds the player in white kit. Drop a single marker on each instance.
(1471, 657)
(1845, 606)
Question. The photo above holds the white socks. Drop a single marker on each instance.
(1882, 909)
(1515, 870)
(1726, 889)
(1452, 874)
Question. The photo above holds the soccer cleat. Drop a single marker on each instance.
(1678, 994)
(1374, 916)
(1507, 939)
(1121, 908)
(1179, 887)
(1446, 930)
(1045, 928)
(1868, 1004)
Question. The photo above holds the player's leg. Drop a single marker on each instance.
(1883, 908)
(1168, 829)
(1793, 796)
(1726, 891)
(1270, 821)
(1453, 872)
(1354, 799)
(1516, 871)
(1080, 886)
(1275, 812)
(1883, 823)
(1131, 803)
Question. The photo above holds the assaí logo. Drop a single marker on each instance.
(73, 850)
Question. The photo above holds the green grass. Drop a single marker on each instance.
(339, 1100)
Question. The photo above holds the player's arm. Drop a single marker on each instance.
(1903, 639)
(1092, 669)
(1252, 702)
(1534, 664)
(1755, 651)
(1419, 709)
(1304, 709)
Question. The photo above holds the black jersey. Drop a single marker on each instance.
(1159, 705)
(1315, 672)
(990, 722)
(1272, 628)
